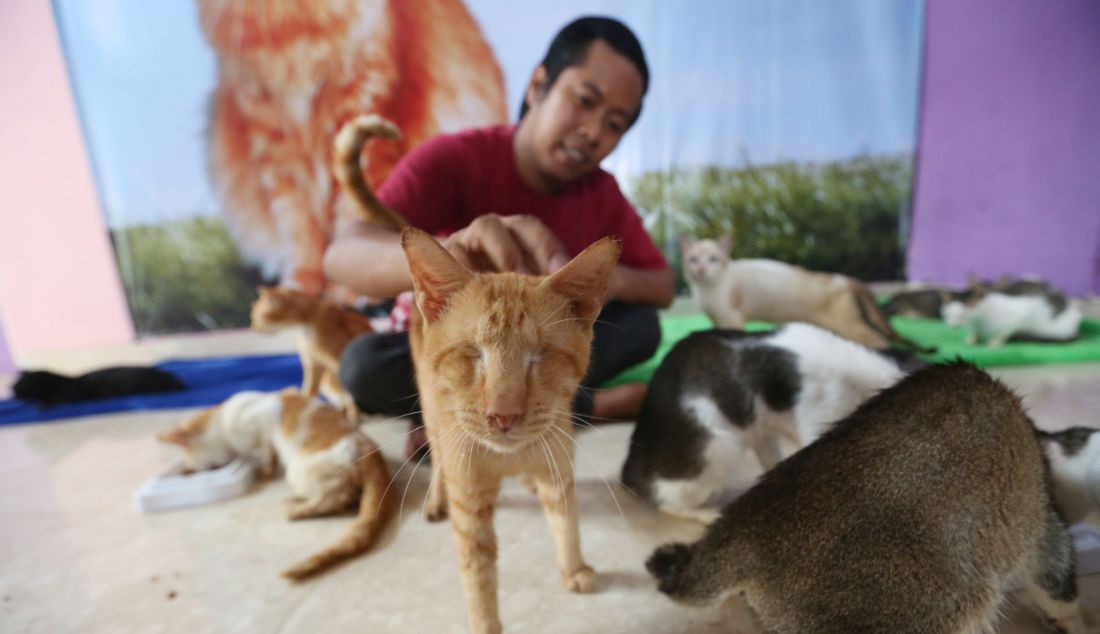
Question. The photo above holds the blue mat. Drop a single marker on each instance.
(209, 382)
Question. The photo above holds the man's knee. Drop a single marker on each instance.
(648, 329)
(377, 370)
(638, 330)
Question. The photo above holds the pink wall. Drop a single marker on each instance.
(1008, 169)
(59, 288)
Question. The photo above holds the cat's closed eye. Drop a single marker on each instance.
(531, 359)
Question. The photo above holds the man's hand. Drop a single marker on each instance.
(507, 243)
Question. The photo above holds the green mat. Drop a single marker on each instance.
(949, 342)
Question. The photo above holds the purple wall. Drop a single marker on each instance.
(1008, 168)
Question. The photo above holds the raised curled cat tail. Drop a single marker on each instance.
(347, 147)
(375, 510)
(873, 316)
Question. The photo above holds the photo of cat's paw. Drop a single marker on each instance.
(582, 581)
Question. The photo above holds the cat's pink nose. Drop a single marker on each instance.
(503, 422)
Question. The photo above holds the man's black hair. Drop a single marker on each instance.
(570, 47)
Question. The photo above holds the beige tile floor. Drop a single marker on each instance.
(75, 555)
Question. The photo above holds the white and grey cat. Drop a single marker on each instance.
(1021, 309)
(732, 292)
(916, 514)
(330, 464)
(720, 392)
(1074, 456)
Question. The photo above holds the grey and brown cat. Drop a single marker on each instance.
(914, 515)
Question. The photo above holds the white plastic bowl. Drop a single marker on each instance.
(175, 488)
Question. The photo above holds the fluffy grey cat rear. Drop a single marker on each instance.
(914, 515)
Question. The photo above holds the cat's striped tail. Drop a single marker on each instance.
(347, 147)
(375, 510)
(873, 315)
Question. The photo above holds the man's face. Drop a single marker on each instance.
(580, 120)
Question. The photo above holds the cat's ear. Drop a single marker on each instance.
(725, 241)
(436, 274)
(174, 436)
(686, 242)
(584, 279)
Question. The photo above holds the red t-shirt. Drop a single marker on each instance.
(449, 180)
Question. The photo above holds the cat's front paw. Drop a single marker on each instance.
(582, 581)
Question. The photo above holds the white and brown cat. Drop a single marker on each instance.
(1007, 309)
(291, 72)
(329, 463)
(324, 330)
(498, 359)
(732, 292)
(916, 514)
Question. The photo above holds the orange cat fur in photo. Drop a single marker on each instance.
(291, 72)
(498, 358)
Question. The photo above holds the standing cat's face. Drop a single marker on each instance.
(506, 351)
(277, 307)
(575, 123)
(704, 261)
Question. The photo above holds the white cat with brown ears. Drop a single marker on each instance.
(330, 464)
(917, 514)
(498, 358)
(733, 292)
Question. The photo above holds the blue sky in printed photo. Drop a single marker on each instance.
(770, 80)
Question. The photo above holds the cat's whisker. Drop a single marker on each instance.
(572, 418)
(353, 463)
(393, 478)
(552, 464)
(419, 463)
(610, 491)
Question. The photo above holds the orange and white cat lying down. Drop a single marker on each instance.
(330, 465)
(498, 358)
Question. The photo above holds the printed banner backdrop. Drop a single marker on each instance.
(789, 123)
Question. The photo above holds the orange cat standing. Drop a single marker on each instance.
(498, 358)
(291, 72)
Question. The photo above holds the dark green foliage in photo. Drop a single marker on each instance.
(184, 276)
(842, 216)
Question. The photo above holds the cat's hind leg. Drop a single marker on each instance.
(1053, 588)
(332, 500)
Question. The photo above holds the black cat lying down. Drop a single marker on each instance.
(49, 388)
